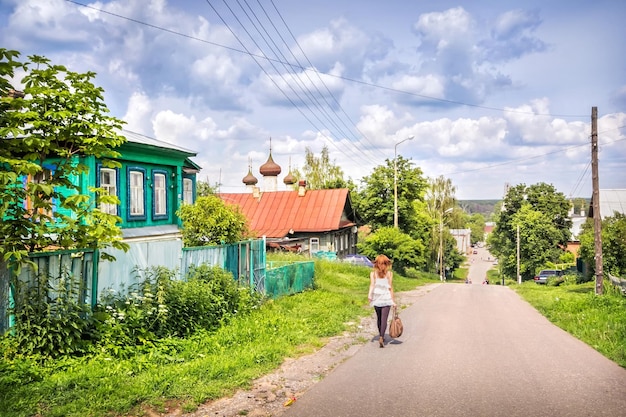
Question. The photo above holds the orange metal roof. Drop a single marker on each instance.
(274, 213)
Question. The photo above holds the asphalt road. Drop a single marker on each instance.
(471, 350)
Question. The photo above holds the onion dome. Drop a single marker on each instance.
(270, 168)
(250, 179)
(289, 179)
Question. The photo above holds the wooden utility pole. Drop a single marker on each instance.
(597, 220)
(519, 276)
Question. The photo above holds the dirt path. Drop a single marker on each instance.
(295, 376)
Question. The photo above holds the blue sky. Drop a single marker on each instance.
(494, 92)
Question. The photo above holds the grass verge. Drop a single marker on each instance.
(599, 321)
(183, 373)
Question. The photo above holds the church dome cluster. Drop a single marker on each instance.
(270, 171)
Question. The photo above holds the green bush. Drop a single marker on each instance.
(50, 320)
(208, 298)
(161, 306)
(404, 251)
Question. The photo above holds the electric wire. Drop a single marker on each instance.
(580, 179)
(320, 131)
(289, 85)
(352, 80)
(294, 75)
(295, 40)
(329, 115)
(319, 74)
(515, 161)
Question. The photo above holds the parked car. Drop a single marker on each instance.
(545, 274)
(358, 260)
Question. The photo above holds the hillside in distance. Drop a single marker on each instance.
(484, 207)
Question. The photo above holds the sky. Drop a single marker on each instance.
(494, 93)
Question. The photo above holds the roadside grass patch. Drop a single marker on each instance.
(598, 320)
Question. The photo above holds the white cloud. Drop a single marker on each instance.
(443, 29)
(341, 42)
(429, 85)
(219, 102)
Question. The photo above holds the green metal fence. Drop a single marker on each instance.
(289, 279)
(245, 260)
(65, 267)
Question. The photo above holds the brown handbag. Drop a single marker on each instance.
(395, 326)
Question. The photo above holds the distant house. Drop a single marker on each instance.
(489, 226)
(297, 219)
(463, 239)
(611, 201)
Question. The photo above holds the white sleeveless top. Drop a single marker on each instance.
(381, 296)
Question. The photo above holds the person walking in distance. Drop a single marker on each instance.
(380, 294)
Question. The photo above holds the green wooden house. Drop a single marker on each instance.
(154, 179)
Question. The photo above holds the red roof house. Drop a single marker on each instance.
(306, 220)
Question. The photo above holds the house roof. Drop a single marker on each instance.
(611, 200)
(146, 140)
(276, 214)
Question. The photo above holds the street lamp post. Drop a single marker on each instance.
(441, 267)
(395, 181)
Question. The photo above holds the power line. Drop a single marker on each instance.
(317, 73)
(580, 179)
(365, 83)
(313, 105)
(276, 84)
(515, 161)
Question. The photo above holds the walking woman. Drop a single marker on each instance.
(381, 294)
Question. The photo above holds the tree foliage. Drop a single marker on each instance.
(204, 188)
(441, 202)
(404, 251)
(476, 224)
(544, 229)
(320, 172)
(613, 244)
(375, 203)
(47, 130)
(209, 221)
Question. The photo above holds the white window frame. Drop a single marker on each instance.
(187, 191)
(159, 184)
(136, 201)
(110, 188)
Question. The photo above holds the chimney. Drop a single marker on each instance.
(301, 188)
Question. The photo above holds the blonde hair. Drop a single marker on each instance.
(382, 264)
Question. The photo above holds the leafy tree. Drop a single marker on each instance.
(320, 172)
(203, 188)
(542, 216)
(476, 223)
(580, 205)
(613, 244)
(440, 201)
(209, 221)
(47, 131)
(375, 203)
(404, 251)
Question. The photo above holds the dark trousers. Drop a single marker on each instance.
(382, 314)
